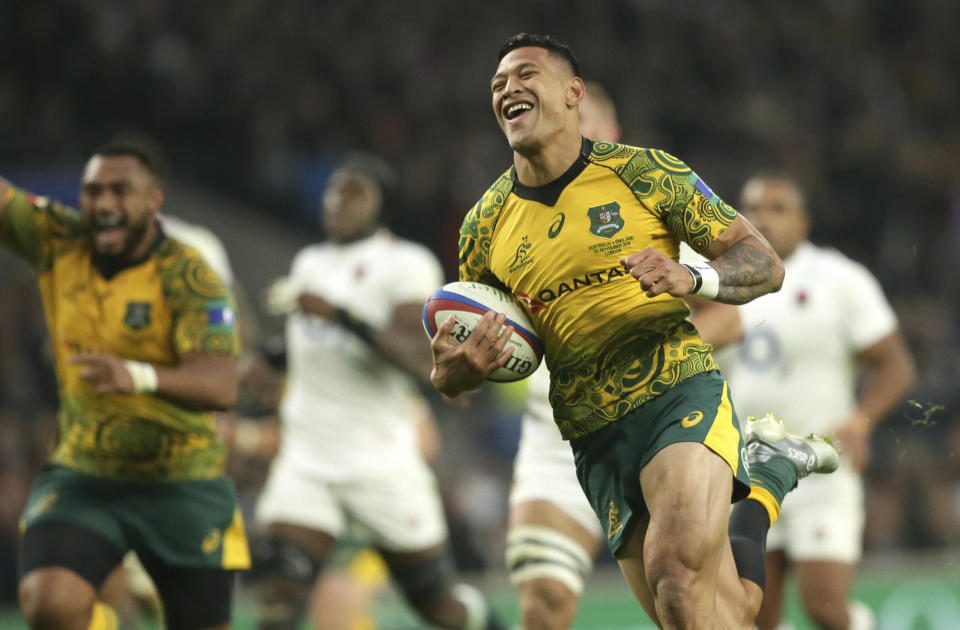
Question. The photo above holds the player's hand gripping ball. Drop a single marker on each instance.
(467, 302)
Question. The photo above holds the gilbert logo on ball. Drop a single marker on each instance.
(467, 302)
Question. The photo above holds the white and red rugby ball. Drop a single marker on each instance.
(468, 301)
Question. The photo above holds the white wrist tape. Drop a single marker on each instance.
(246, 438)
(706, 280)
(144, 377)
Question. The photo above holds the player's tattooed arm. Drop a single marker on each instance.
(746, 263)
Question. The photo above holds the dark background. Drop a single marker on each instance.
(254, 102)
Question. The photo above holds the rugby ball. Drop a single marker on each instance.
(468, 301)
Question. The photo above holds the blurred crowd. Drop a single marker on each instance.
(256, 100)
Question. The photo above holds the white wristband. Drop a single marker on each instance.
(246, 438)
(706, 280)
(144, 376)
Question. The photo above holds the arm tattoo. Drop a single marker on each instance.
(746, 272)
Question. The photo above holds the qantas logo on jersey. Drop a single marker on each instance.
(572, 284)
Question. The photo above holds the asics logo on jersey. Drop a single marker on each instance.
(692, 420)
(557, 225)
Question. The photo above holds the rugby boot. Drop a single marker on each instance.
(767, 438)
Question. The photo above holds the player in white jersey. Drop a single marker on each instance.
(800, 357)
(349, 455)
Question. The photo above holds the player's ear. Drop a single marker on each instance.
(156, 196)
(575, 91)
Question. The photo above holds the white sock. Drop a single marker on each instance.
(861, 617)
(476, 605)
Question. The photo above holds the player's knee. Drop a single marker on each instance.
(549, 568)
(672, 579)
(48, 604)
(827, 612)
(546, 604)
(426, 586)
(278, 560)
(534, 552)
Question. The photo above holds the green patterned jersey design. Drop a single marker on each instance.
(609, 348)
(156, 311)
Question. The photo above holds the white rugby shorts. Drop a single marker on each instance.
(398, 509)
(544, 470)
(822, 519)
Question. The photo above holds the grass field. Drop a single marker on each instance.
(906, 594)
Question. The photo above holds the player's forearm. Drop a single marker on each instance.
(888, 378)
(748, 269)
(199, 387)
(408, 352)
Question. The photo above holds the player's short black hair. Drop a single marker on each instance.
(143, 148)
(779, 174)
(374, 167)
(548, 42)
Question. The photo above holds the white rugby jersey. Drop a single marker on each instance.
(798, 355)
(342, 396)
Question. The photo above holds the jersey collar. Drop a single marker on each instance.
(548, 194)
(109, 266)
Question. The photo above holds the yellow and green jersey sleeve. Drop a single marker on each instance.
(609, 348)
(38, 229)
(155, 311)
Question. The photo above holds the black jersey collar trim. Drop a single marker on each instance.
(110, 266)
(549, 193)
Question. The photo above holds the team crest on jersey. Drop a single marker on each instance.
(521, 258)
(605, 220)
(138, 315)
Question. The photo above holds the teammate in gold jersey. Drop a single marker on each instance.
(145, 343)
(586, 235)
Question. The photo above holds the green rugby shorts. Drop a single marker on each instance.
(190, 524)
(610, 459)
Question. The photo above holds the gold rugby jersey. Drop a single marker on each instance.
(556, 247)
(155, 310)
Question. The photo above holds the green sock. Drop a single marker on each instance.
(776, 475)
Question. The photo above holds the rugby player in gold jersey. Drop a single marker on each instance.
(657, 445)
(145, 343)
